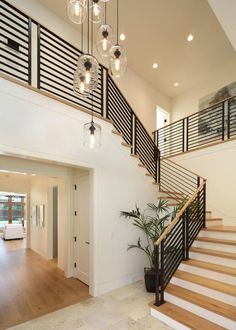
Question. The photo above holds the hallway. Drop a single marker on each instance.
(31, 286)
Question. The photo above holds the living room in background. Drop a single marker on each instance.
(13, 208)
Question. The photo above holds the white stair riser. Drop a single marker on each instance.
(215, 246)
(168, 320)
(209, 274)
(208, 215)
(205, 291)
(216, 234)
(202, 312)
(213, 223)
(214, 260)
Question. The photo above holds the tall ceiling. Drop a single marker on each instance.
(156, 31)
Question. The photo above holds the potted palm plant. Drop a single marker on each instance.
(152, 222)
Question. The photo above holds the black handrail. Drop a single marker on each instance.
(208, 126)
(56, 62)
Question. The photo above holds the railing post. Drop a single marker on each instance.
(223, 121)
(38, 56)
(187, 124)
(186, 234)
(134, 149)
(159, 275)
(204, 206)
(228, 119)
(159, 167)
(30, 51)
(183, 136)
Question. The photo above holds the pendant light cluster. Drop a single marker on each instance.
(86, 75)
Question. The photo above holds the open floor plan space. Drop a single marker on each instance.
(31, 286)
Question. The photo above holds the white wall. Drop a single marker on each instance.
(35, 126)
(41, 237)
(217, 164)
(139, 93)
(187, 103)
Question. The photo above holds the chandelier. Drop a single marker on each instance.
(86, 75)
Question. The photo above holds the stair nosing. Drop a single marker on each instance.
(210, 301)
(215, 240)
(215, 253)
(222, 270)
(199, 277)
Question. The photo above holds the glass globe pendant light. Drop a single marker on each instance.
(76, 10)
(92, 133)
(118, 59)
(87, 71)
(104, 37)
(96, 12)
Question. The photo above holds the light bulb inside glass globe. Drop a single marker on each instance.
(86, 74)
(92, 135)
(79, 86)
(118, 61)
(104, 40)
(77, 11)
(96, 12)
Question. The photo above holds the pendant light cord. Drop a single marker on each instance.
(88, 27)
(117, 20)
(105, 4)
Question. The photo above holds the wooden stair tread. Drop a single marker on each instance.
(135, 156)
(216, 240)
(149, 174)
(205, 302)
(117, 133)
(156, 183)
(206, 282)
(185, 317)
(213, 267)
(124, 144)
(141, 165)
(225, 229)
(172, 192)
(213, 219)
(221, 254)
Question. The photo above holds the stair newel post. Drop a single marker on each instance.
(159, 274)
(187, 124)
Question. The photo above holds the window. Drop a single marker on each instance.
(12, 208)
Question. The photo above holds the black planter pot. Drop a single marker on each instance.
(150, 279)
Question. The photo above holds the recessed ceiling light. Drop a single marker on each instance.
(155, 65)
(190, 37)
(122, 36)
(176, 84)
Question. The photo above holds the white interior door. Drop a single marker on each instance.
(162, 119)
(82, 237)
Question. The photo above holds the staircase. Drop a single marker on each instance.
(205, 285)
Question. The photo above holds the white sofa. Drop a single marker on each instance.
(13, 231)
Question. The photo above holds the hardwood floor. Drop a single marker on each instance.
(31, 286)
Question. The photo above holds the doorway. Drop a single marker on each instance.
(82, 227)
(162, 118)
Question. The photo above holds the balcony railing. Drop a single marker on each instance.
(38, 57)
(206, 127)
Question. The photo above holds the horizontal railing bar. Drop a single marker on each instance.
(13, 61)
(122, 109)
(74, 64)
(177, 182)
(15, 36)
(168, 125)
(4, 36)
(170, 186)
(178, 215)
(14, 8)
(13, 68)
(14, 75)
(26, 35)
(19, 51)
(13, 55)
(13, 21)
(205, 138)
(182, 167)
(173, 174)
(195, 145)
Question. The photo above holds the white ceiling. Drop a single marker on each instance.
(156, 31)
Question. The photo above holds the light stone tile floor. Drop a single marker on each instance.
(123, 309)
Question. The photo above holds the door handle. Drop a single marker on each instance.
(87, 242)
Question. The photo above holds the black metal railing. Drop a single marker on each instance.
(15, 42)
(174, 244)
(209, 126)
(54, 62)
